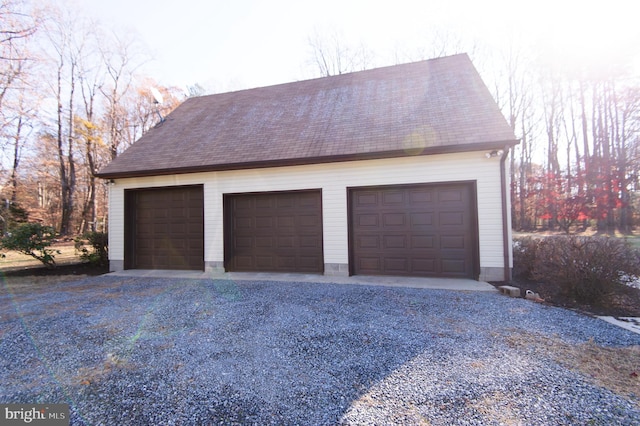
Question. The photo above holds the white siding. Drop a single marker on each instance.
(333, 179)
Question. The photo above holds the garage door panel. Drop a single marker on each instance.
(453, 266)
(286, 242)
(392, 197)
(263, 203)
(424, 266)
(455, 218)
(285, 231)
(285, 202)
(368, 242)
(309, 201)
(286, 262)
(422, 242)
(263, 242)
(159, 214)
(265, 262)
(422, 229)
(194, 229)
(286, 221)
(242, 204)
(310, 263)
(178, 212)
(452, 242)
(421, 219)
(395, 242)
(307, 231)
(369, 264)
(243, 242)
(445, 196)
(145, 228)
(195, 247)
(420, 196)
(243, 223)
(394, 265)
(244, 261)
(178, 229)
(194, 211)
(366, 199)
(367, 220)
(393, 219)
(308, 242)
(264, 222)
(308, 221)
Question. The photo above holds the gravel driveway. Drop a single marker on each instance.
(138, 351)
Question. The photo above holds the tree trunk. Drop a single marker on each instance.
(62, 168)
(16, 160)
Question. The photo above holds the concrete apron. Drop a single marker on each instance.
(386, 281)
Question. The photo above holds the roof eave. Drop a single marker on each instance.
(448, 149)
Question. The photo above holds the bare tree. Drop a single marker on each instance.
(67, 35)
(121, 59)
(513, 93)
(89, 133)
(20, 128)
(17, 26)
(141, 111)
(332, 55)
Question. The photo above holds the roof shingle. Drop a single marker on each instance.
(433, 106)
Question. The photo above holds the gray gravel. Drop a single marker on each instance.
(138, 351)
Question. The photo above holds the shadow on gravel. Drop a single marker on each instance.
(159, 351)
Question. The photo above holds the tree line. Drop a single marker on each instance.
(576, 167)
(71, 99)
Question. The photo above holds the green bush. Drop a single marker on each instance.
(32, 239)
(98, 254)
(585, 268)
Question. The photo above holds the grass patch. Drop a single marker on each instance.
(633, 240)
(616, 369)
(15, 261)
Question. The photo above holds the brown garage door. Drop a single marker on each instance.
(274, 232)
(165, 228)
(413, 230)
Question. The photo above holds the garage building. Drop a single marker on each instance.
(391, 171)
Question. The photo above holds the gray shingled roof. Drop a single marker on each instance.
(428, 107)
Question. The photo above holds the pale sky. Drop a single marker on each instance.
(234, 44)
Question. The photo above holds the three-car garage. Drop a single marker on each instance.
(397, 170)
(427, 229)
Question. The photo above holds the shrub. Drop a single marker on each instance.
(524, 256)
(585, 268)
(32, 239)
(98, 255)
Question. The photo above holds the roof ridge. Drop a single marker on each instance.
(350, 73)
